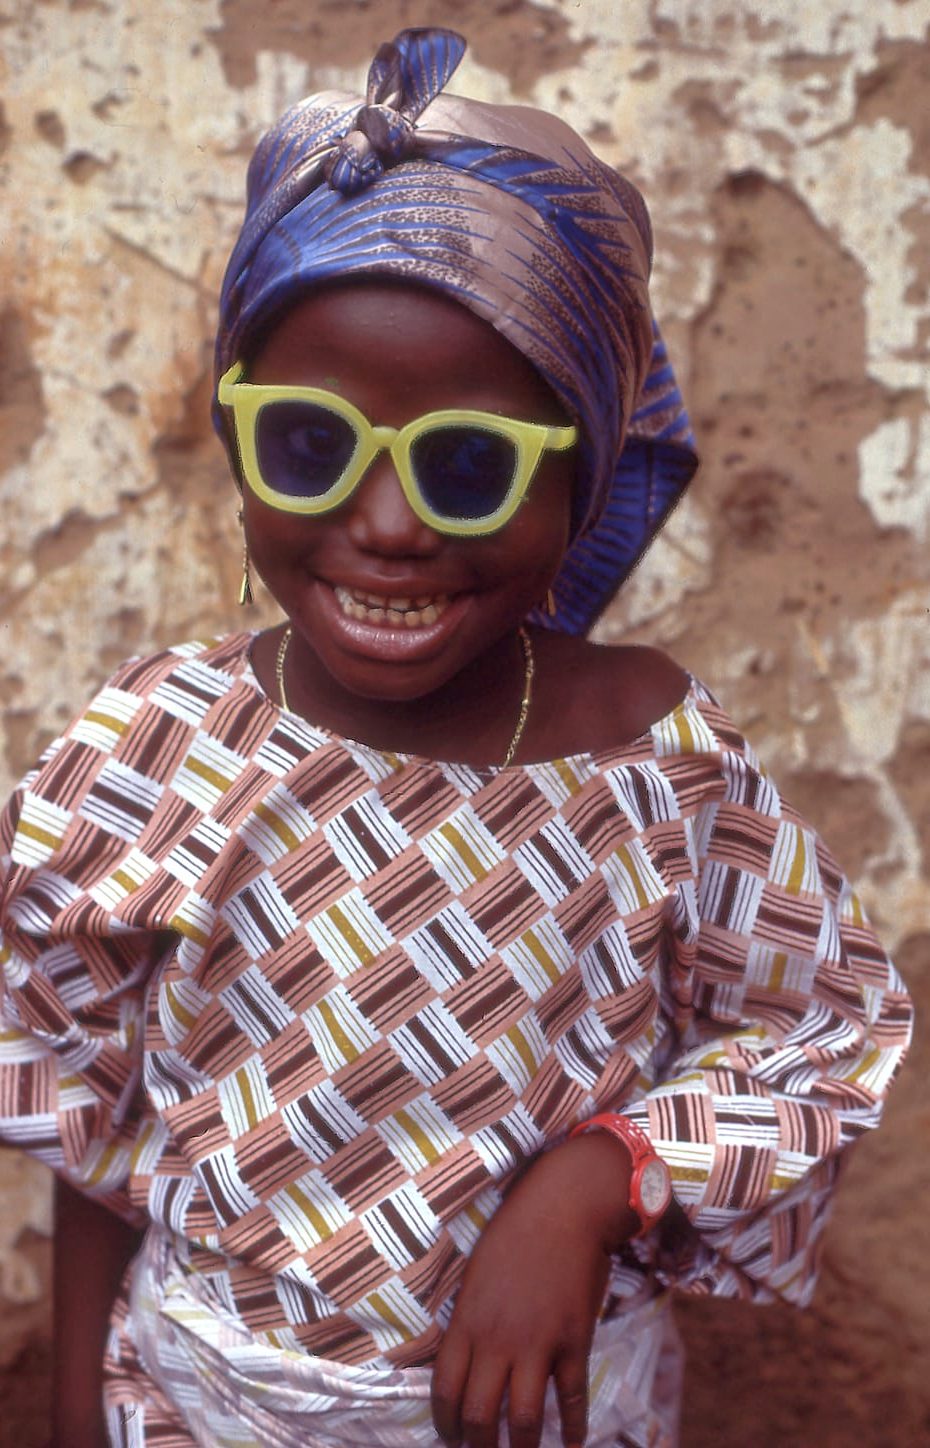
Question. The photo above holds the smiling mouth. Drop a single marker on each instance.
(391, 612)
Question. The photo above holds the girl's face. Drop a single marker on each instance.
(392, 609)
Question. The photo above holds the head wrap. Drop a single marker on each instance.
(506, 210)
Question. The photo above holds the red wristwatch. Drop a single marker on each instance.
(651, 1181)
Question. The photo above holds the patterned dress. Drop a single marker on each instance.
(304, 1008)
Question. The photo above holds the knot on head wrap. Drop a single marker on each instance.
(405, 75)
(380, 137)
(506, 210)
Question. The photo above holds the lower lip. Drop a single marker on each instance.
(392, 645)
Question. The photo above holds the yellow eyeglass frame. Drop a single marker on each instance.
(530, 440)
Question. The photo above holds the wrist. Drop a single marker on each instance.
(649, 1181)
(600, 1173)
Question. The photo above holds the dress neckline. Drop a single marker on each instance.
(590, 757)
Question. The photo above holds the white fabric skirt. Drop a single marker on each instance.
(234, 1391)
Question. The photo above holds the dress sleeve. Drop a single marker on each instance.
(786, 1024)
(72, 975)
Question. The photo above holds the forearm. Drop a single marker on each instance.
(587, 1178)
(92, 1248)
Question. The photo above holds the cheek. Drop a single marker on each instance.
(275, 534)
(539, 543)
(269, 539)
(281, 548)
(546, 518)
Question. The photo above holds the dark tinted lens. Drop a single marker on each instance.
(302, 448)
(463, 472)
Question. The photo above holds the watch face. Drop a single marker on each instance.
(654, 1188)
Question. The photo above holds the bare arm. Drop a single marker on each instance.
(92, 1248)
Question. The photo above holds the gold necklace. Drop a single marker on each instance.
(529, 669)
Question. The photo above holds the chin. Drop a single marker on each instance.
(391, 685)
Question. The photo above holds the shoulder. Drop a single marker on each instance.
(112, 762)
(601, 696)
(225, 657)
(180, 683)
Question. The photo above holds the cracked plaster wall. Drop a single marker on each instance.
(785, 152)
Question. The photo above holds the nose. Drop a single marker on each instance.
(381, 521)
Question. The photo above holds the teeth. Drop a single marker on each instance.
(400, 612)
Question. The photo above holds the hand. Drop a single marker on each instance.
(530, 1298)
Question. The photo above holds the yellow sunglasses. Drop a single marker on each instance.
(305, 450)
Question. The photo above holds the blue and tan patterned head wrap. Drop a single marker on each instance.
(505, 209)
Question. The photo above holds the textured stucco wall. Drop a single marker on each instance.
(785, 150)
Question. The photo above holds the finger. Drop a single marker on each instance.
(527, 1406)
(450, 1374)
(571, 1389)
(481, 1404)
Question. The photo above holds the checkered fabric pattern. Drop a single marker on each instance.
(308, 1006)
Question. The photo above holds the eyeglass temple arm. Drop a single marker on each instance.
(227, 382)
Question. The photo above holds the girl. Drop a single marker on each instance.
(434, 988)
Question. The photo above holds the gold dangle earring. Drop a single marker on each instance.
(245, 587)
(551, 609)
